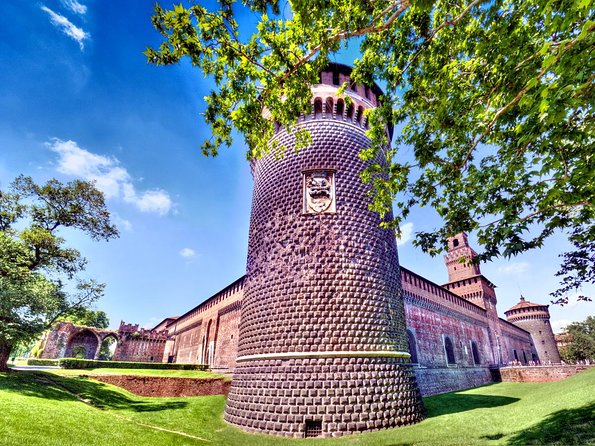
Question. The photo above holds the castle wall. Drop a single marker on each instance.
(139, 349)
(433, 314)
(208, 334)
(515, 339)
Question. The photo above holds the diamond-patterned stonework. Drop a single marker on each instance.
(322, 301)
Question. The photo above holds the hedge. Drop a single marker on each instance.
(36, 361)
(73, 363)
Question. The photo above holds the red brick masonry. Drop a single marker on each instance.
(541, 374)
(166, 386)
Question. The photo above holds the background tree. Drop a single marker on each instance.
(88, 318)
(581, 338)
(35, 266)
(494, 97)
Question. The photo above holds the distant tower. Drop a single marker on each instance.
(322, 343)
(465, 280)
(535, 319)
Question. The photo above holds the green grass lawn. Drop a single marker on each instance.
(141, 372)
(38, 408)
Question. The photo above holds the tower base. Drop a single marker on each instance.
(323, 397)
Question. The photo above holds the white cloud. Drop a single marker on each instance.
(122, 223)
(74, 6)
(67, 27)
(187, 252)
(406, 234)
(514, 268)
(559, 325)
(109, 177)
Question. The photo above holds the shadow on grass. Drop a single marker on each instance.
(455, 402)
(99, 395)
(564, 427)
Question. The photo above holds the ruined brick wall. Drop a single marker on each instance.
(323, 323)
(57, 339)
(65, 340)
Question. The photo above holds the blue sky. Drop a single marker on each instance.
(78, 100)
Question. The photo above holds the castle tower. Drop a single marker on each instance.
(466, 280)
(322, 343)
(535, 319)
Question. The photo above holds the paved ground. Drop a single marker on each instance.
(34, 367)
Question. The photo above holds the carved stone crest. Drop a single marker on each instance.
(319, 191)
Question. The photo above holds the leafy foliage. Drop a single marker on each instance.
(34, 262)
(87, 318)
(582, 341)
(76, 363)
(494, 97)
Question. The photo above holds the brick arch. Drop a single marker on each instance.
(86, 338)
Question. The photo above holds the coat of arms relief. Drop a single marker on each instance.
(319, 191)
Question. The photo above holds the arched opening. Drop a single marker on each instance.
(329, 106)
(412, 347)
(340, 108)
(82, 345)
(360, 114)
(450, 351)
(108, 348)
(475, 352)
(455, 242)
(318, 108)
(350, 112)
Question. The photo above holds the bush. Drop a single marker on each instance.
(74, 363)
(34, 361)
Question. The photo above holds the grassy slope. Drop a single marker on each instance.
(141, 372)
(506, 413)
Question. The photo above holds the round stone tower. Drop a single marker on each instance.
(322, 342)
(535, 319)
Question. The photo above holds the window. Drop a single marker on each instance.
(313, 429)
(475, 352)
(340, 108)
(455, 242)
(516, 356)
(336, 80)
(318, 107)
(450, 351)
(350, 112)
(412, 347)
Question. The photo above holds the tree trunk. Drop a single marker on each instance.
(5, 349)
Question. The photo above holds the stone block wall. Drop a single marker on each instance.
(432, 381)
(322, 337)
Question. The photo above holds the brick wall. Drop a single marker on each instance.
(541, 373)
(166, 386)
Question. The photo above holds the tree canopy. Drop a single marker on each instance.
(581, 338)
(35, 264)
(87, 317)
(494, 97)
